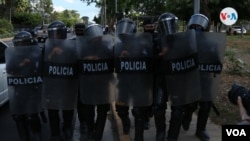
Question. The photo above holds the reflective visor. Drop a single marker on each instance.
(125, 26)
(168, 25)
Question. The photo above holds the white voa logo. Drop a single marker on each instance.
(228, 16)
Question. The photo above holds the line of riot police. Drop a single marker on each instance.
(144, 68)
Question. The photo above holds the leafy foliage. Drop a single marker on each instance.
(25, 18)
(5, 26)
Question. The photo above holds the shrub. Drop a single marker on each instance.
(5, 27)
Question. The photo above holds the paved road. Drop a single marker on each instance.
(8, 131)
(149, 135)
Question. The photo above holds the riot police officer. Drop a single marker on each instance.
(95, 55)
(176, 54)
(160, 97)
(133, 52)
(24, 69)
(60, 87)
(124, 25)
(79, 31)
(209, 53)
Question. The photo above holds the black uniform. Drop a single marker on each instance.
(199, 23)
(22, 62)
(160, 97)
(133, 48)
(66, 103)
(94, 93)
(125, 26)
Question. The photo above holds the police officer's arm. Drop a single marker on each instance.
(55, 51)
(24, 62)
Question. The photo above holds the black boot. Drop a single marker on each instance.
(146, 123)
(22, 127)
(202, 135)
(126, 124)
(188, 113)
(68, 124)
(83, 131)
(160, 124)
(202, 121)
(139, 129)
(99, 127)
(186, 120)
(123, 113)
(35, 126)
(175, 122)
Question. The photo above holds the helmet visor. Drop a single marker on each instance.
(125, 26)
(93, 30)
(168, 25)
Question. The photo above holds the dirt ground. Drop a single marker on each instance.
(236, 70)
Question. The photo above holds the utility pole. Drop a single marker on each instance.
(196, 6)
(105, 13)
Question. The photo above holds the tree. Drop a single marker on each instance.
(27, 19)
(69, 17)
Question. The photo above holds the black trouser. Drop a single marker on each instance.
(86, 114)
(159, 106)
(54, 118)
(123, 113)
(28, 125)
(203, 113)
(139, 114)
(175, 121)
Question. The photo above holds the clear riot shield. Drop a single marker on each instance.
(180, 64)
(23, 65)
(211, 49)
(96, 67)
(133, 66)
(60, 87)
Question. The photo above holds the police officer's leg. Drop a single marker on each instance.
(102, 111)
(22, 127)
(54, 121)
(149, 114)
(123, 113)
(159, 107)
(202, 118)
(88, 120)
(175, 122)
(188, 112)
(139, 114)
(35, 126)
(83, 123)
(68, 123)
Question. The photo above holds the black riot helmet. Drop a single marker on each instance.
(79, 29)
(23, 38)
(93, 30)
(57, 30)
(199, 22)
(125, 25)
(167, 23)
